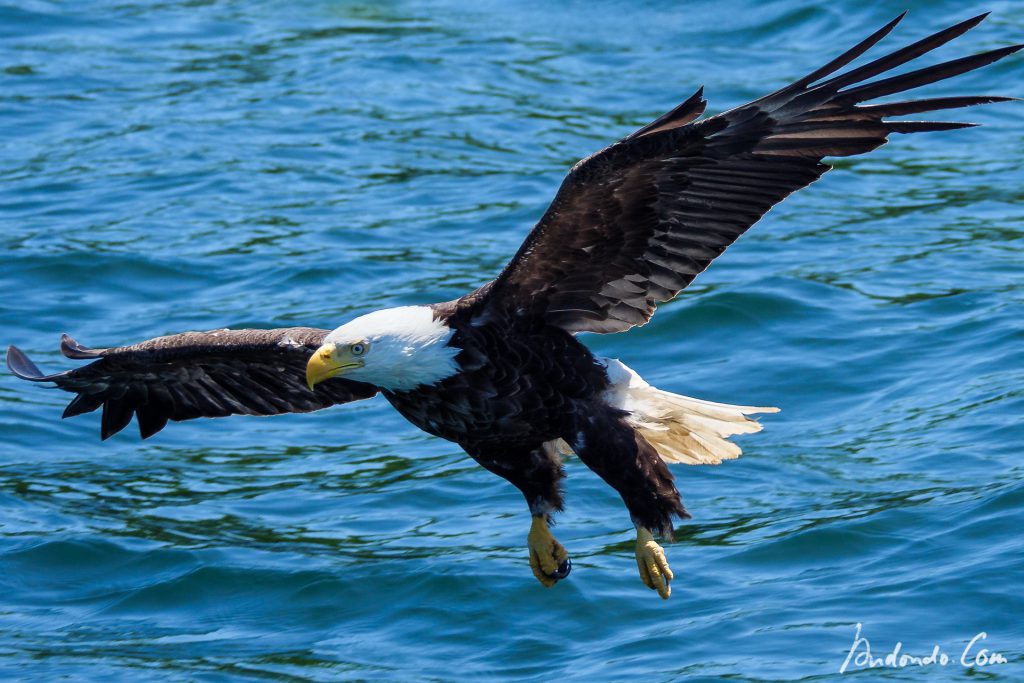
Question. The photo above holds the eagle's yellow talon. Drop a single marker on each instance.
(652, 563)
(548, 559)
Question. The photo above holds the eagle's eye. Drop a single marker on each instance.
(358, 349)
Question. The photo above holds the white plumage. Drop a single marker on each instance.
(680, 428)
(406, 347)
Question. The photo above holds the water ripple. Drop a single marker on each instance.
(189, 165)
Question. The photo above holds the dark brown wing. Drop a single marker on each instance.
(194, 374)
(634, 224)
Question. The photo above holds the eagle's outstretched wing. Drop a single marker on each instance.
(634, 224)
(195, 374)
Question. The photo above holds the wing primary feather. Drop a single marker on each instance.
(843, 59)
(929, 104)
(82, 403)
(925, 126)
(72, 349)
(21, 366)
(116, 416)
(191, 375)
(903, 55)
(150, 420)
(915, 79)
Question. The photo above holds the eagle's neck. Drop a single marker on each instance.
(408, 347)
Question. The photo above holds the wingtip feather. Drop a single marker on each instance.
(924, 76)
(887, 109)
(81, 404)
(150, 422)
(895, 21)
(926, 126)
(972, 22)
(845, 58)
(72, 349)
(116, 416)
(21, 366)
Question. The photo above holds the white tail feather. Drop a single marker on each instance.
(680, 428)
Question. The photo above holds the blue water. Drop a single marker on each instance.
(189, 165)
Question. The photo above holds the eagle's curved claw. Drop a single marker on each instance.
(548, 559)
(653, 566)
(564, 567)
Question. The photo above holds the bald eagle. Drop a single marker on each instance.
(500, 371)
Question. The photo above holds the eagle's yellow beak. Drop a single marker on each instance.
(328, 361)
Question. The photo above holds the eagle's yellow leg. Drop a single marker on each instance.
(548, 559)
(653, 566)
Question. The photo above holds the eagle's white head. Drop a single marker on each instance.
(395, 348)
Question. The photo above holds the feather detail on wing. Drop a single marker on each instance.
(194, 374)
(634, 224)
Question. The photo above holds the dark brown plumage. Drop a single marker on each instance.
(629, 228)
(635, 223)
(195, 374)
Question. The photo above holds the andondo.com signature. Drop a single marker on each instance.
(974, 654)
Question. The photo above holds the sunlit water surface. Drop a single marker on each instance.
(174, 166)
